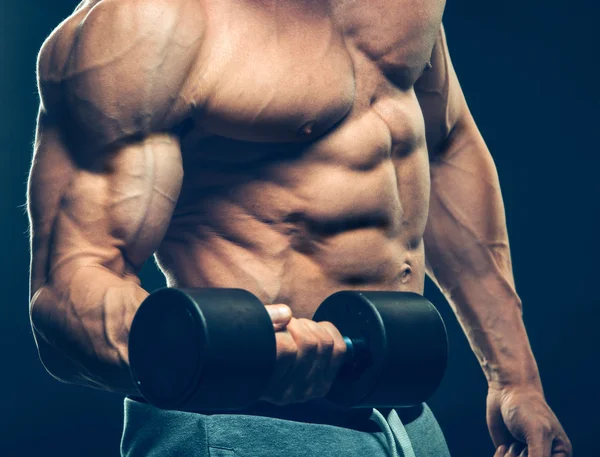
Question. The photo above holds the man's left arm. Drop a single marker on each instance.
(468, 257)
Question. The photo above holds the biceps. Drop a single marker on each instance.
(114, 214)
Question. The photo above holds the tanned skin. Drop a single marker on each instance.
(291, 148)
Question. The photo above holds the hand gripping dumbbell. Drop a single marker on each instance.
(214, 349)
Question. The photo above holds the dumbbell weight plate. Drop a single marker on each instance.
(407, 340)
(202, 349)
(167, 341)
(358, 319)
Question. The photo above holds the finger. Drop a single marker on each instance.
(318, 378)
(516, 449)
(500, 451)
(286, 355)
(339, 350)
(561, 446)
(539, 445)
(307, 347)
(498, 430)
(280, 315)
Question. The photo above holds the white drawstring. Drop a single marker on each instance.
(394, 431)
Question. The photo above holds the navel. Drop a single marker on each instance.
(405, 274)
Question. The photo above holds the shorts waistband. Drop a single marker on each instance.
(318, 411)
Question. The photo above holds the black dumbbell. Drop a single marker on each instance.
(214, 349)
(201, 349)
(397, 348)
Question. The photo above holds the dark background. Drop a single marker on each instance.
(528, 69)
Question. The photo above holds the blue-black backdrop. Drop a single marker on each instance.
(529, 71)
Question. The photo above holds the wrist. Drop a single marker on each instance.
(514, 372)
(504, 382)
(505, 354)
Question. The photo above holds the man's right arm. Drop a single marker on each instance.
(105, 177)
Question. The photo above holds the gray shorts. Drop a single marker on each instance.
(308, 430)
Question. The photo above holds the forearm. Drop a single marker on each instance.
(468, 257)
(81, 323)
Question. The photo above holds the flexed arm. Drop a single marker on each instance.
(105, 177)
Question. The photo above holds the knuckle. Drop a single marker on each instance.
(569, 448)
(327, 349)
(286, 360)
(317, 391)
(327, 343)
(339, 350)
(287, 348)
(312, 337)
(311, 346)
(288, 396)
(545, 429)
(340, 347)
(331, 329)
(308, 349)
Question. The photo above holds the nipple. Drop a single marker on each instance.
(307, 129)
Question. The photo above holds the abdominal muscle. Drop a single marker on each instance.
(293, 223)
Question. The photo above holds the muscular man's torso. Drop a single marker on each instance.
(306, 168)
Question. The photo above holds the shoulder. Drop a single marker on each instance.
(435, 78)
(440, 95)
(119, 64)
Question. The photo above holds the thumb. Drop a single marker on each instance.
(280, 315)
(498, 430)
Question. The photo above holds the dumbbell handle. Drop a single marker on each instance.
(354, 347)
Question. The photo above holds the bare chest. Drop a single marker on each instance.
(291, 70)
